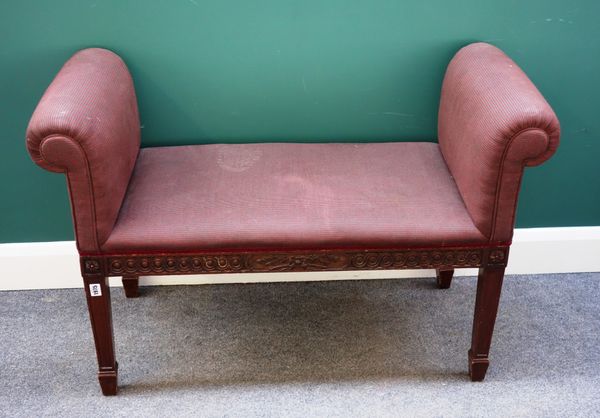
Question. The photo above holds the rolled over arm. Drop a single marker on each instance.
(492, 123)
(87, 126)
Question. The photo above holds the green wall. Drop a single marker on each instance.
(299, 70)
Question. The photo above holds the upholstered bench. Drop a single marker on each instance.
(278, 207)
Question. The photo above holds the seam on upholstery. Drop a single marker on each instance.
(514, 209)
(462, 199)
(90, 185)
(501, 175)
(137, 155)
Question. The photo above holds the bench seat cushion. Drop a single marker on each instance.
(291, 196)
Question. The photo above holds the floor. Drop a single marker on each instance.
(343, 348)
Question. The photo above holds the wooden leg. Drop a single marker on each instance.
(444, 278)
(98, 300)
(131, 286)
(489, 285)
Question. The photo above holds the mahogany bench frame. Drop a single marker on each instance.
(483, 91)
(490, 261)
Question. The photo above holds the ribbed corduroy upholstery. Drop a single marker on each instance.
(291, 196)
(492, 123)
(87, 126)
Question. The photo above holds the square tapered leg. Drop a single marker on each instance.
(131, 286)
(444, 278)
(489, 286)
(98, 300)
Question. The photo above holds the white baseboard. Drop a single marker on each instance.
(55, 265)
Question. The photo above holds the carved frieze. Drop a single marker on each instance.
(293, 261)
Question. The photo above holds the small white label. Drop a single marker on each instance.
(95, 290)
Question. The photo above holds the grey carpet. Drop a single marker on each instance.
(355, 348)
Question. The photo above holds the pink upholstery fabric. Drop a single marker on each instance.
(492, 123)
(291, 196)
(87, 126)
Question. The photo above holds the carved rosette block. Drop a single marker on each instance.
(92, 267)
(497, 257)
